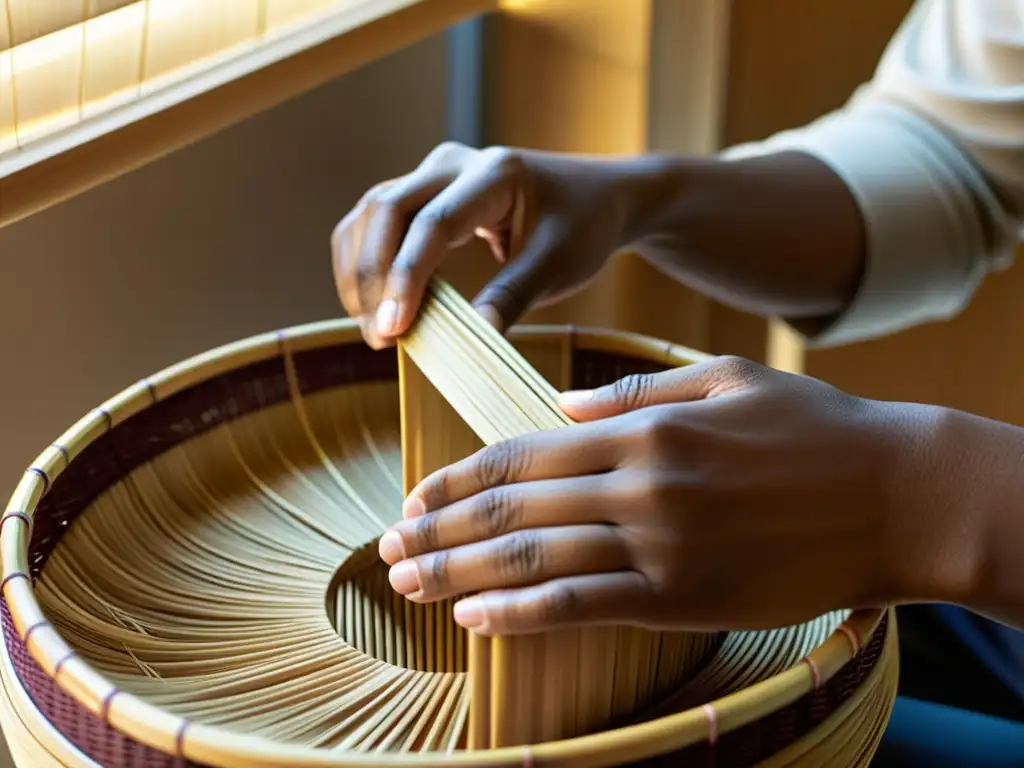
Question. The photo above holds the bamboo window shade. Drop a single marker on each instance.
(90, 89)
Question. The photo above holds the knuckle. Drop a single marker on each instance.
(558, 602)
(503, 159)
(435, 490)
(367, 273)
(738, 369)
(435, 575)
(633, 390)
(498, 464)
(376, 194)
(426, 534)
(498, 512)
(444, 151)
(521, 555)
(436, 218)
(660, 493)
(656, 433)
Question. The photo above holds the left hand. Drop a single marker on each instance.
(715, 496)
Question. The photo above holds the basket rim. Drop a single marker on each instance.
(161, 730)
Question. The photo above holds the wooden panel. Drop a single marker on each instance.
(791, 61)
(974, 362)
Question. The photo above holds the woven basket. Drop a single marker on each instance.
(814, 694)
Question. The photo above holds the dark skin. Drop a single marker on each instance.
(724, 495)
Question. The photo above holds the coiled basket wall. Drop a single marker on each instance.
(189, 579)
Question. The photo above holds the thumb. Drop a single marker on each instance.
(700, 381)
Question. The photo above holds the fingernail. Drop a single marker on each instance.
(577, 397)
(387, 316)
(490, 314)
(413, 507)
(390, 547)
(469, 613)
(404, 577)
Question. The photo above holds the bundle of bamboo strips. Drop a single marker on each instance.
(525, 689)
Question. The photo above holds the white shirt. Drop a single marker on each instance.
(932, 148)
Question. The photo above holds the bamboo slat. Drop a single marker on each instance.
(25, 20)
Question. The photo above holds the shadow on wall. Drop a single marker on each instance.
(222, 240)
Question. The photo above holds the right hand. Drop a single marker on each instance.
(552, 220)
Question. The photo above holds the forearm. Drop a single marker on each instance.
(777, 235)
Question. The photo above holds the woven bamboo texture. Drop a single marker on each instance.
(187, 576)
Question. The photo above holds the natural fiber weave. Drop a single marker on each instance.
(214, 507)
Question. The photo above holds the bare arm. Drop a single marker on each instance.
(777, 235)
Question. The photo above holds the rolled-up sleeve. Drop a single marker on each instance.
(932, 150)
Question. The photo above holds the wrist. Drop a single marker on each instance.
(649, 189)
(956, 495)
(992, 510)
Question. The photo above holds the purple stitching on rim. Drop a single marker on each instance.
(12, 577)
(179, 739)
(63, 452)
(107, 701)
(16, 516)
(106, 417)
(62, 661)
(41, 473)
(29, 632)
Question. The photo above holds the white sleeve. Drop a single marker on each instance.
(934, 157)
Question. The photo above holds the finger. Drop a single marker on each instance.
(514, 560)
(381, 209)
(565, 452)
(345, 240)
(498, 511)
(713, 378)
(604, 598)
(518, 286)
(485, 196)
(384, 225)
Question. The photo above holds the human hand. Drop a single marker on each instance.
(552, 220)
(720, 495)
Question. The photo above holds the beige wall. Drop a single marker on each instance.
(222, 240)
